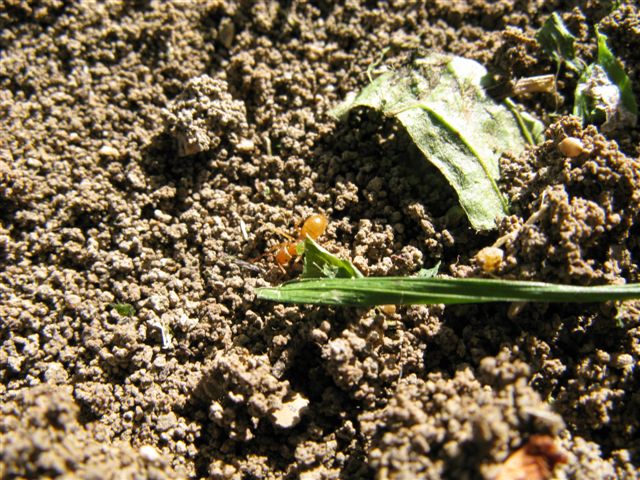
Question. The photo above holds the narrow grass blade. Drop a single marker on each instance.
(616, 73)
(532, 129)
(604, 94)
(372, 291)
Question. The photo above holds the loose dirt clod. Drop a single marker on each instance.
(201, 113)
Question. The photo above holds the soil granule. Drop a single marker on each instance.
(152, 152)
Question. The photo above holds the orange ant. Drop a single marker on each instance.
(313, 227)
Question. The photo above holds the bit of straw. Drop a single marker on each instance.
(243, 229)
(538, 84)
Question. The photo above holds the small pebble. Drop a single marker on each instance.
(181, 447)
(72, 301)
(149, 453)
(56, 374)
(33, 163)
(624, 360)
(108, 151)
(160, 362)
(288, 415)
(245, 145)
(571, 147)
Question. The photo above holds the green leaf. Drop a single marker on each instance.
(319, 263)
(604, 94)
(442, 104)
(558, 42)
(428, 272)
(124, 309)
(613, 4)
(370, 291)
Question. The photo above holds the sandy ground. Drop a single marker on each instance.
(138, 139)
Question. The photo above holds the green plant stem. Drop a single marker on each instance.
(523, 128)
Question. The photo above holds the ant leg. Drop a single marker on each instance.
(281, 233)
(269, 251)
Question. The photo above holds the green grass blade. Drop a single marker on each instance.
(372, 291)
(604, 94)
(532, 129)
(616, 74)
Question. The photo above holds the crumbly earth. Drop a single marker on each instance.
(149, 151)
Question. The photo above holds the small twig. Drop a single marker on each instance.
(537, 84)
(243, 229)
(267, 144)
(511, 236)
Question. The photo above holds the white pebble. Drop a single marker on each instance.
(288, 415)
(149, 453)
(108, 151)
(245, 145)
(72, 301)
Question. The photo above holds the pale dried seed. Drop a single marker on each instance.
(571, 147)
(490, 258)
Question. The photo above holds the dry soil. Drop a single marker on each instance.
(149, 151)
